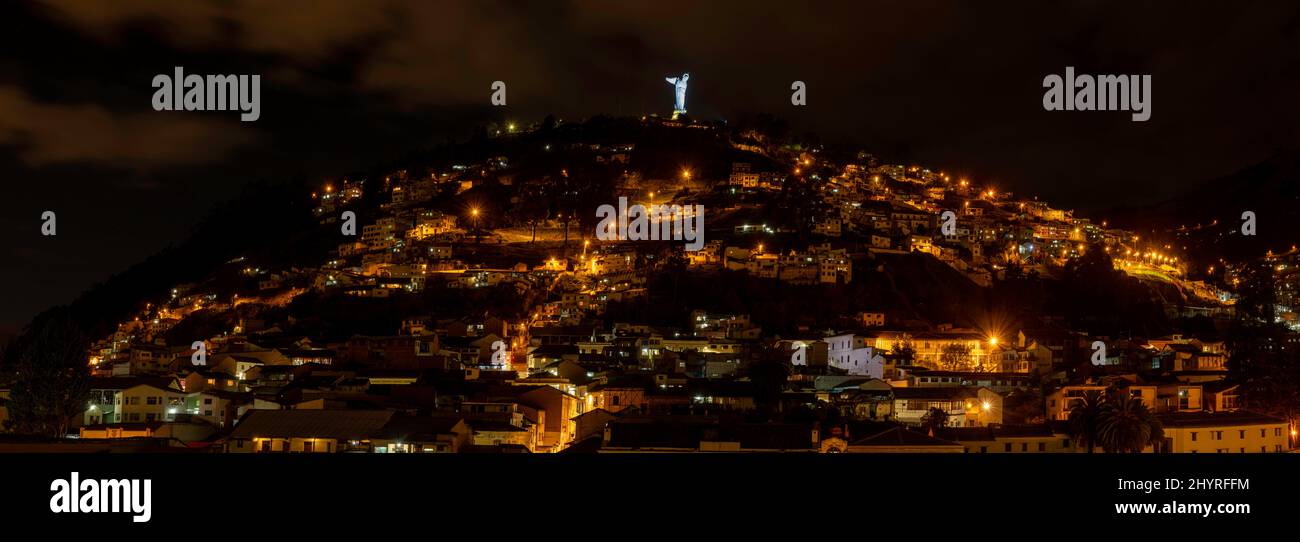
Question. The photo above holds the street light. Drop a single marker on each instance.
(477, 233)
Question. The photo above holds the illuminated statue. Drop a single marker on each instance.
(680, 84)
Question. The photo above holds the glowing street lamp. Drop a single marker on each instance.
(477, 233)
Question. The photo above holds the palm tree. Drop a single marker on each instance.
(1083, 419)
(1127, 425)
(934, 419)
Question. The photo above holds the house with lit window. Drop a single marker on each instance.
(931, 346)
(849, 354)
(406, 433)
(133, 400)
(1224, 432)
(616, 395)
(307, 431)
(966, 406)
(1060, 402)
(1028, 439)
(543, 410)
(217, 406)
(1221, 396)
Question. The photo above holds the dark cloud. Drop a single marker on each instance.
(44, 134)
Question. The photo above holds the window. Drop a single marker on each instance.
(1241, 433)
(984, 449)
(266, 446)
(1065, 443)
(1007, 447)
(1024, 446)
(150, 400)
(613, 400)
(307, 445)
(1042, 446)
(207, 412)
(1277, 431)
(1193, 436)
(207, 400)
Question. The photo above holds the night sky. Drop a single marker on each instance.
(349, 85)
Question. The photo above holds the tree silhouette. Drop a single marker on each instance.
(934, 419)
(956, 357)
(1262, 361)
(768, 374)
(903, 352)
(1126, 425)
(53, 378)
(1083, 419)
